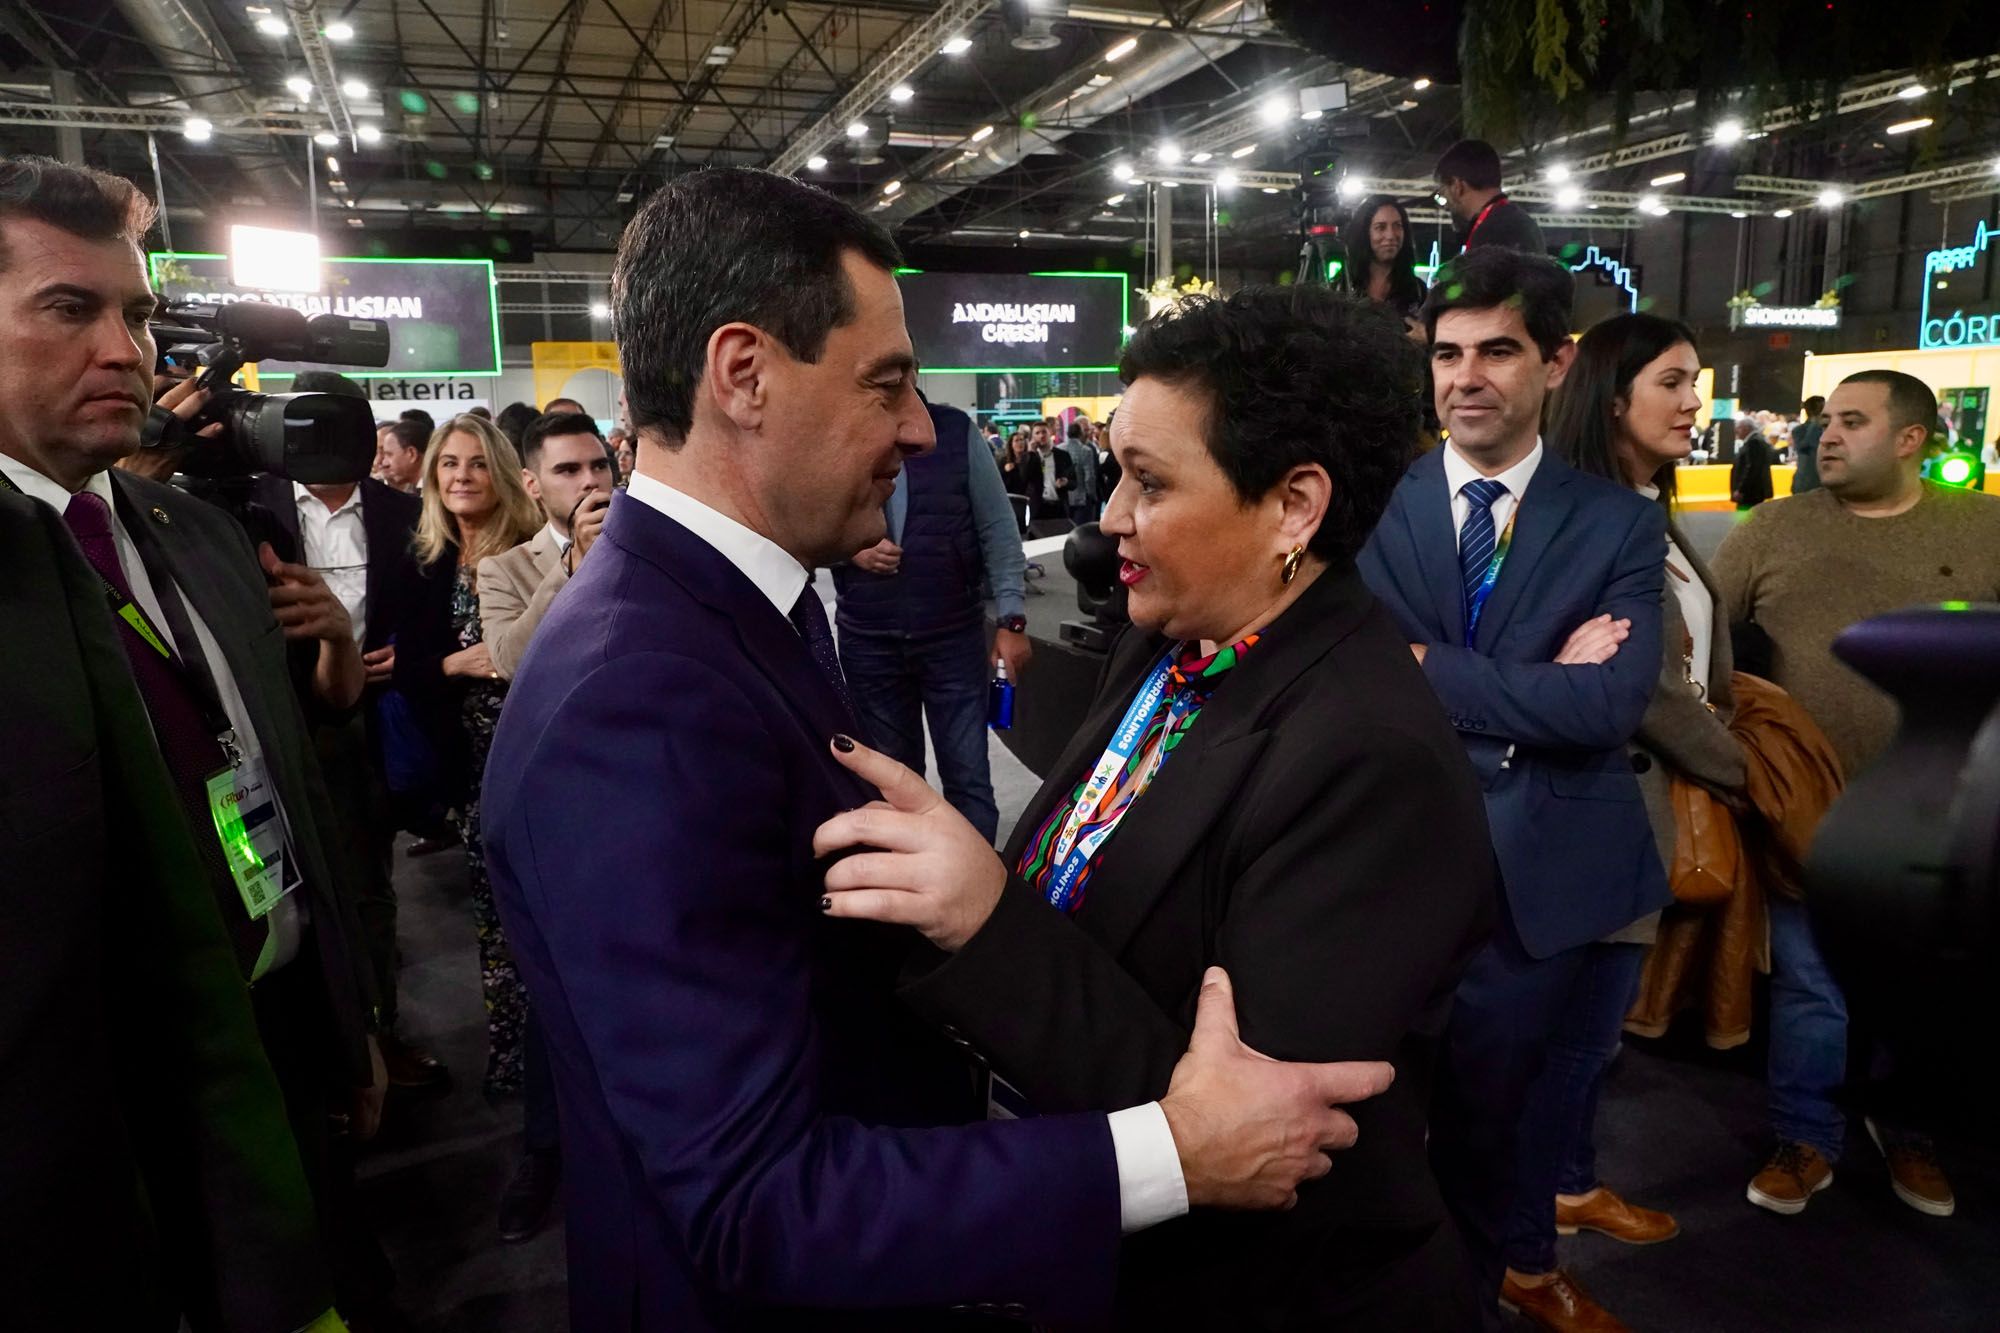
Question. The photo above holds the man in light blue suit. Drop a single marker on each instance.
(1531, 594)
(757, 1134)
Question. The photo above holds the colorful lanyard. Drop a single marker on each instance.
(1473, 230)
(1475, 605)
(1072, 853)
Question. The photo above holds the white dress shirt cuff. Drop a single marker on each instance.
(1151, 1189)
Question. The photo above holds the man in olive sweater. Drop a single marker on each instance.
(1874, 538)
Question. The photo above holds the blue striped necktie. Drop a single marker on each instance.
(1476, 539)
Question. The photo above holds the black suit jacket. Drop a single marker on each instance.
(212, 564)
(148, 1166)
(1750, 471)
(389, 521)
(1031, 479)
(1319, 834)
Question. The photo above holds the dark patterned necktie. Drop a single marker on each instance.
(809, 619)
(190, 747)
(1477, 538)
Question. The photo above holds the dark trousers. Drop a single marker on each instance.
(1509, 1006)
(366, 856)
(1558, 1143)
(897, 680)
(539, 1124)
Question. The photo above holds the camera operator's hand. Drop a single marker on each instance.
(586, 521)
(307, 609)
(185, 401)
(475, 662)
(380, 664)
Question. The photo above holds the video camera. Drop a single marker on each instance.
(316, 438)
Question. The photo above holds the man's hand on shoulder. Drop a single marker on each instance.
(1249, 1128)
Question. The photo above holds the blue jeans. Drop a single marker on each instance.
(897, 680)
(1557, 1145)
(1808, 1057)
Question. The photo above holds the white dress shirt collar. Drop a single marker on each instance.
(556, 539)
(353, 501)
(46, 489)
(765, 563)
(1457, 471)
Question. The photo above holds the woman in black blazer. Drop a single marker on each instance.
(1294, 808)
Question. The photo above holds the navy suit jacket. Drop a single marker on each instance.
(1577, 856)
(743, 1097)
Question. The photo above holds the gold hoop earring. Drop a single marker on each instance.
(1293, 560)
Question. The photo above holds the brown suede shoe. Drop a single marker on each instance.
(1608, 1215)
(411, 1066)
(1788, 1181)
(1914, 1172)
(1558, 1304)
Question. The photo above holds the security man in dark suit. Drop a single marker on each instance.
(203, 630)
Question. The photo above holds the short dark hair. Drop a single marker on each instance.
(1911, 402)
(1813, 406)
(551, 407)
(483, 413)
(513, 421)
(1473, 161)
(717, 246)
(1490, 276)
(326, 381)
(1300, 374)
(1582, 416)
(407, 431)
(422, 418)
(553, 423)
(91, 204)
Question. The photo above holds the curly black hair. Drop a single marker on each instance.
(1295, 375)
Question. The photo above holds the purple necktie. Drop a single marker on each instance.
(186, 742)
(809, 619)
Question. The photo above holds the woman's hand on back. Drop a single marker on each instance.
(923, 864)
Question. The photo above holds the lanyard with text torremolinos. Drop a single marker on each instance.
(1073, 852)
(1475, 605)
(121, 606)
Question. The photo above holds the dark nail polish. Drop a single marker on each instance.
(844, 744)
(826, 904)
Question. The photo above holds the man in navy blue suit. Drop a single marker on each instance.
(1531, 594)
(755, 1133)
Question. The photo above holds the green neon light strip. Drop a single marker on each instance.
(492, 302)
(1124, 321)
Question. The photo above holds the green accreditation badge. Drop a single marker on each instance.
(245, 810)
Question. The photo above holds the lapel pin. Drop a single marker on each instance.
(161, 516)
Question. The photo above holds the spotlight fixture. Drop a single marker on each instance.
(1313, 114)
(1738, 213)
(1905, 126)
(1024, 233)
(1120, 51)
(1352, 187)
(1099, 80)
(1243, 152)
(1168, 152)
(333, 164)
(327, 139)
(1728, 132)
(1781, 212)
(1671, 178)
(368, 133)
(1913, 92)
(1831, 197)
(340, 32)
(982, 134)
(354, 90)
(1171, 184)
(858, 130)
(815, 163)
(901, 93)
(1271, 189)
(1225, 179)
(1568, 196)
(1122, 170)
(273, 26)
(599, 310)
(1115, 200)
(300, 86)
(1200, 158)
(1557, 172)
(956, 46)
(892, 187)
(1277, 109)
(1420, 85)
(1650, 203)
(198, 129)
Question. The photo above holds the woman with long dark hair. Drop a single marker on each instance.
(1382, 257)
(1625, 412)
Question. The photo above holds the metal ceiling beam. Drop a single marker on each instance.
(157, 118)
(912, 49)
(643, 50)
(575, 22)
(310, 29)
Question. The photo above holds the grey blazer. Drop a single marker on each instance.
(217, 572)
(1679, 734)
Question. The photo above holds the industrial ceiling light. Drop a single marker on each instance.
(1421, 84)
(1201, 157)
(1728, 132)
(273, 26)
(1270, 189)
(1122, 170)
(1168, 152)
(1120, 51)
(301, 87)
(333, 164)
(1831, 197)
(1243, 152)
(599, 310)
(1316, 113)
(327, 139)
(1671, 178)
(1905, 126)
(354, 90)
(1225, 179)
(340, 32)
(956, 46)
(982, 134)
(1738, 213)
(1024, 233)
(1569, 196)
(1913, 92)
(368, 133)
(198, 129)
(1352, 187)
(892, 187)
(1115, 200)
(1277, 109)
(1650, 203)
(901, 93)
(858, 130)
(815, 163)
(1557, 172)
(1781, 212)
(1099, 80)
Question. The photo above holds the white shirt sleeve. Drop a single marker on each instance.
(1151, 1188)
